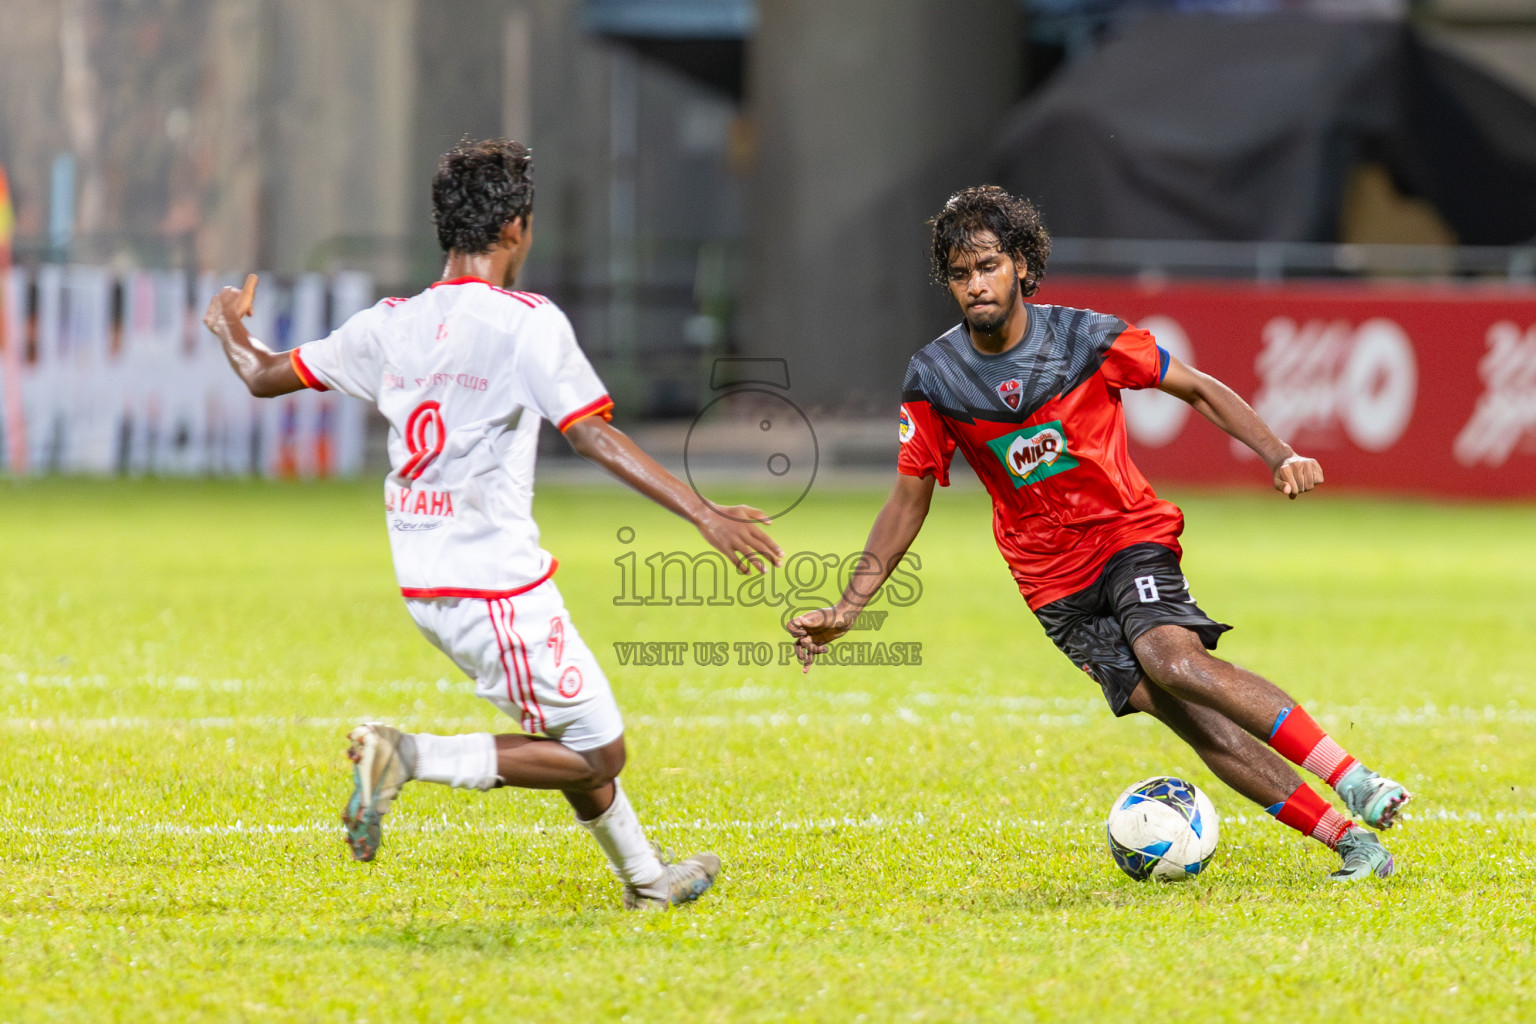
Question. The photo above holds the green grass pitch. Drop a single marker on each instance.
(180, 662)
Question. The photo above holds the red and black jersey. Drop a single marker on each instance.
(1042, 426)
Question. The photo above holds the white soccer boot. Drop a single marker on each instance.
(680, 882)
(386, 760)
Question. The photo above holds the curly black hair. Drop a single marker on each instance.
(989, 210)
(478, 188)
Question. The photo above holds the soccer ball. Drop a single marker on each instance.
(1162, 828)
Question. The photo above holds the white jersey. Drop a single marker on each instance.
(464, 372)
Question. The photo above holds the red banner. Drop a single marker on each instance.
(1424, 389)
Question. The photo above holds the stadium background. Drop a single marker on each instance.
(722, 179)
(1326, 203)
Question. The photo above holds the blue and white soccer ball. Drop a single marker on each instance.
(1162, 828)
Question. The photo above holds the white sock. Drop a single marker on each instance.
(618, 832)
(466, 761)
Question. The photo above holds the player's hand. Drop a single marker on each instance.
(733, 530)
(1297, 475)
(814, 632)
(230, 304)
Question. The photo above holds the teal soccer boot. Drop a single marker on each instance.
(1372, 798)
(1363, 855)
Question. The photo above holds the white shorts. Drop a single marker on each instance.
(526, 658)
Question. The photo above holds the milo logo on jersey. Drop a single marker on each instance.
(1034, 453)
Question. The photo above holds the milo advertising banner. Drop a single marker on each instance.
(1419, 389)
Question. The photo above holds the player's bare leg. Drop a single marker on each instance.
(1232, 754)
(1241, 761)
(589, 780)
(1175, 659)
(387, 758)
(584, 776)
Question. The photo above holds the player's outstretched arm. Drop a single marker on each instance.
(1294, 474)
(733, 530)
(266, 373)
(896, 527)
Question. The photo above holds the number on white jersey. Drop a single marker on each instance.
(425, 434)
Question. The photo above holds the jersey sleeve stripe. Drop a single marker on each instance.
(597, 407)
(429, 593)
(1162, 363)
(309, 379)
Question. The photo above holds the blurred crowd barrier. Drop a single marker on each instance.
(108, 373)
(1408, 387)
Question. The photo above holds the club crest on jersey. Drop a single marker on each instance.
(1011, 392)
(1034, 453)
(905, 428)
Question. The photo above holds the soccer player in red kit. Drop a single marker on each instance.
(1030, 393)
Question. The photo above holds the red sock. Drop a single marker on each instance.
(1311, 815)
(1298, 739)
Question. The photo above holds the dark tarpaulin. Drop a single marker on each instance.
(1246, 129)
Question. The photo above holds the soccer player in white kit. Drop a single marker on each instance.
(465, 372)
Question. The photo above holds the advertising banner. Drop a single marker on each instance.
(1409, 388)
(115, 373)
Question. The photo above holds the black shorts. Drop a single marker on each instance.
(1140, 587)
